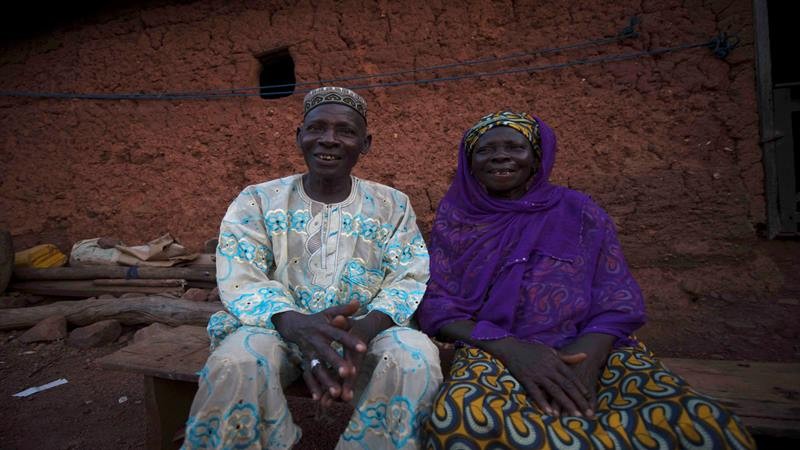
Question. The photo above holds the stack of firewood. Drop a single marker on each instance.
(146, 295)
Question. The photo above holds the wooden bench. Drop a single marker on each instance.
(766, 396)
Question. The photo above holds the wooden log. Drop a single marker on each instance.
(86, 288)
(201, 284)
(138, 282)
(203, 273)
(19, 301)
(129, 311)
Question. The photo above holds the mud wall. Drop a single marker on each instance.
(667, 144)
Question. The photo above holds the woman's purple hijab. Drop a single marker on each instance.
(480, 245)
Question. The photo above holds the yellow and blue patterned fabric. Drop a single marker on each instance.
(521, 122)
(640, 405)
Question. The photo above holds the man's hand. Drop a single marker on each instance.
(552, 385)
(364, 329)
(314, 334)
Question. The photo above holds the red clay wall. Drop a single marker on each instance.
(668, 144)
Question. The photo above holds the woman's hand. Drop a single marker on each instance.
(595, 347)
(552, 385)
(586, 373)
(314, 334)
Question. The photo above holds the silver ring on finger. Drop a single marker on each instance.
(313, 363)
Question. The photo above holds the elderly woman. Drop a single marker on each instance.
(529, 280)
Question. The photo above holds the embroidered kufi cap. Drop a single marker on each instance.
(332, 94)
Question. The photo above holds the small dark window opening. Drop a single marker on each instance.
(783, 37)
(276, 78)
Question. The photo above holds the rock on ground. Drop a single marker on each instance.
(95, 335)
(50, 329)
(150, 330)
(196, 295)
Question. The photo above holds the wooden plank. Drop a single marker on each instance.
(766, 115)
(740, 379)
(176, 354)
(152, 426)
(765, 395)
(155, 282)
(784, 161)
(171, 403)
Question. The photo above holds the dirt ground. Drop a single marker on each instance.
(99, 409)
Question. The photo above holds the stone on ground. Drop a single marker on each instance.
(95, 335)
(150, 330)
(196, 295)
(50, 329)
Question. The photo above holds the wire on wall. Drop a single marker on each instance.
(720, 45)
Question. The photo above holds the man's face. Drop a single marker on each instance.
(331, 138)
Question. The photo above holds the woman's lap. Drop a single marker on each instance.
(641, 404)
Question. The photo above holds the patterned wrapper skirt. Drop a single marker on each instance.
(640, 405)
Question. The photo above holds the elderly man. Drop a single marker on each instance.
(319, 273)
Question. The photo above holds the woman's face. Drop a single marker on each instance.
(503, 162)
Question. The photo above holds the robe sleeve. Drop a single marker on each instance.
(440, 308)
(405, 264)
(443, 303)
(617, 306)
(244, 260)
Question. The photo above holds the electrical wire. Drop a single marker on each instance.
(720, 45)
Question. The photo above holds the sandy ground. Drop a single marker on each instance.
(99, 409)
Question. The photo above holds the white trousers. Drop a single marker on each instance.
(240, 402)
